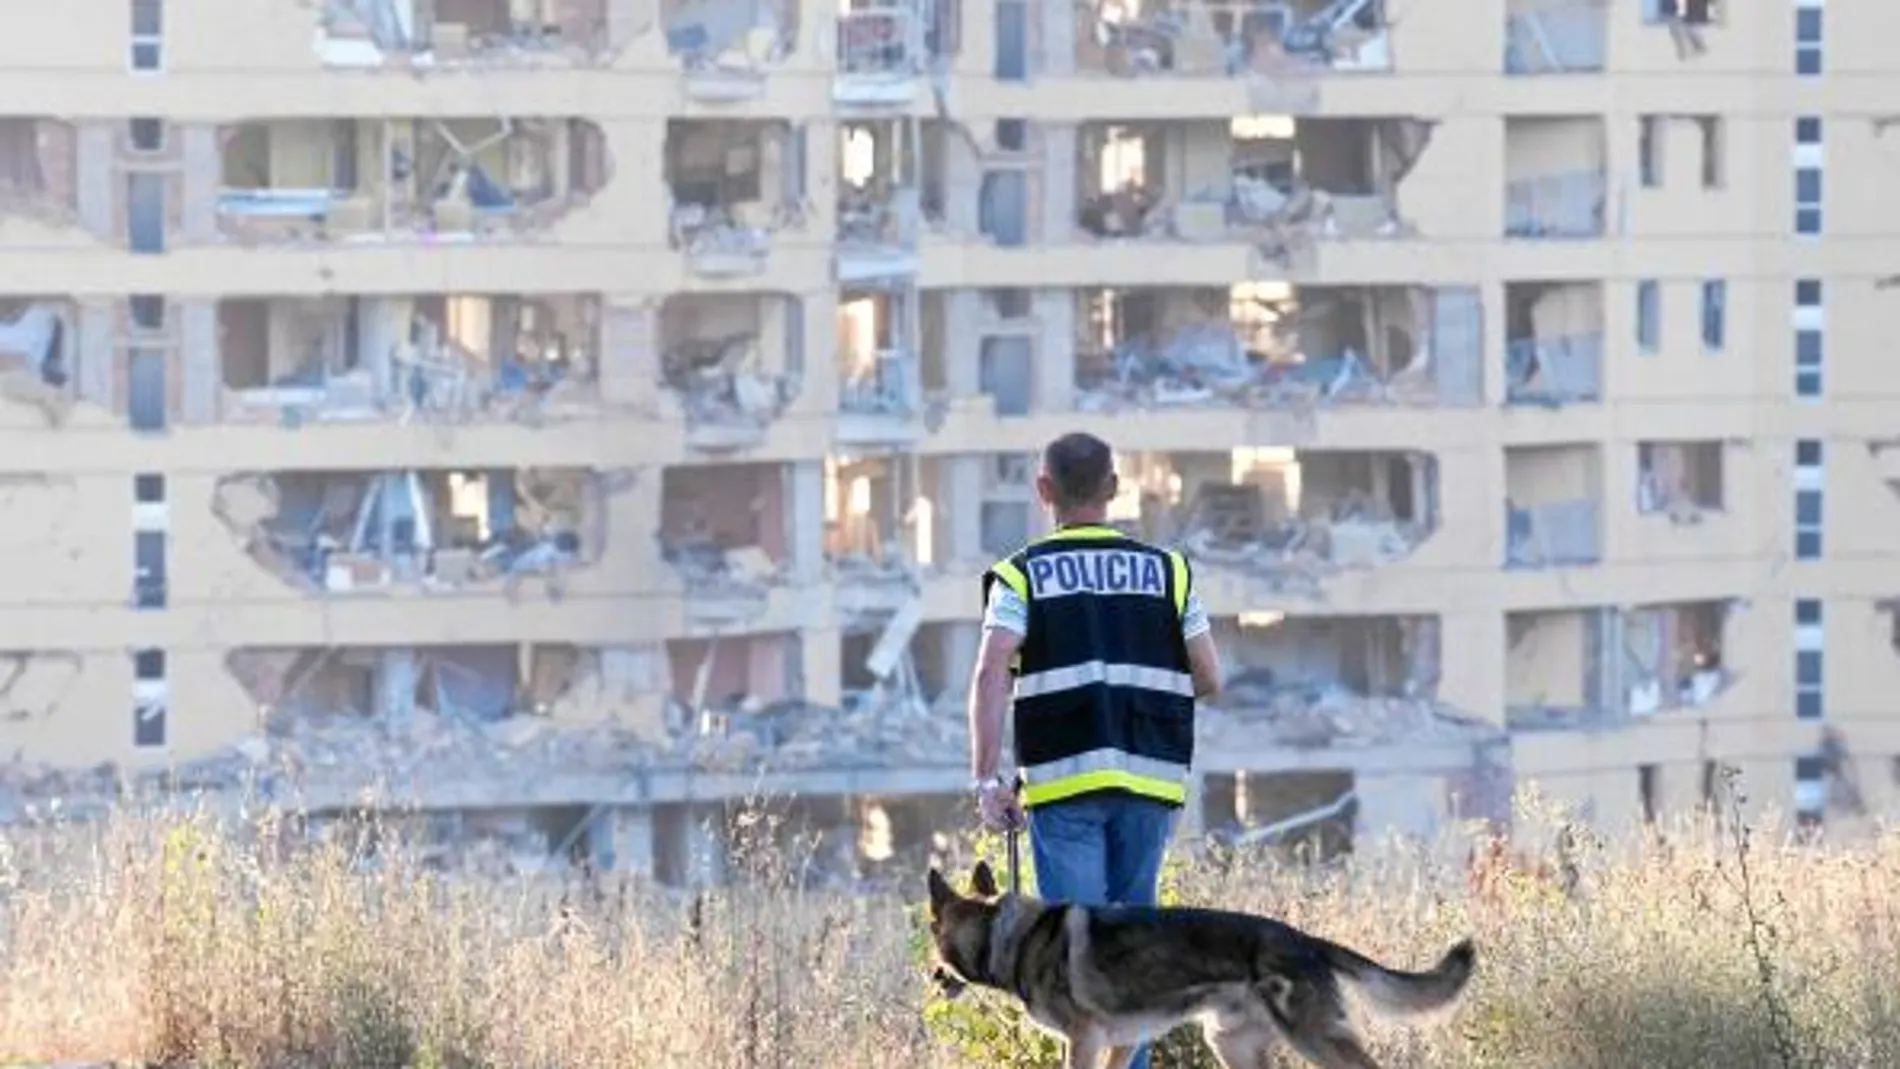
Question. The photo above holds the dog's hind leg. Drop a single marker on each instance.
(1336, 1050)
(1119, 1057)
(1245, 1048)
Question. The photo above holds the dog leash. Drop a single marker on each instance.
(1015, 851)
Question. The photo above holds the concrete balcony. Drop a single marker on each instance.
(1563, 206)
(882, 56)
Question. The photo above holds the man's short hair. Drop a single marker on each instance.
(1080, 466)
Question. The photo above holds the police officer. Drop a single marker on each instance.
(1107, 648)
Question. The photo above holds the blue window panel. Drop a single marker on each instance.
(1808, 704)
(1807, 384)
(1807, 668)
(1807, 348)
(1807, 545)
(1807, 611)
(1808, 453)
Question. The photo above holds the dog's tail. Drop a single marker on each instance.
(1397, 991)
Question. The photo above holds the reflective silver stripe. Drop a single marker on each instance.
(1056, 680)
(1105, 760)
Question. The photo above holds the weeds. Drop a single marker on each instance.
(190, 941)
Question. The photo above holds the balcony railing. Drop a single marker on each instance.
(1555, 206)
(1567, 39)
(1558, 535)
(890, 387)
(881, 43)
(1567, 369)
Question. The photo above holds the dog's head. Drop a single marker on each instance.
(960, 929)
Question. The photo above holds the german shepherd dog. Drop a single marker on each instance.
(1109, 979)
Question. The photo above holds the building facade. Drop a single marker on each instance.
(582, 412)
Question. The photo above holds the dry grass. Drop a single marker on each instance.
(180, 942)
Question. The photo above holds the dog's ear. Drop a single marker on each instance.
(940, 891)
(983, 881)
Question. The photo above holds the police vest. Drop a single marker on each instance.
(1104, 694)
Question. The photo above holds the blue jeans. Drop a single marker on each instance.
(1101, 850)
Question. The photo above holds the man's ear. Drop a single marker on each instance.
(983, 881)
(940, 892)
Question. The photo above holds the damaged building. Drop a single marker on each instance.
(580, 417)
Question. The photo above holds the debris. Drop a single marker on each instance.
(346, 533)
(1254, 710)
(1304, 354)
(435, 180)
(1225, 527)
(373, 33)
(39, 170)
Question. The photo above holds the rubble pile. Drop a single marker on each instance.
(790, 735)
(1226, 529)
(719, 381)
(1207, 364)
(1254, 710)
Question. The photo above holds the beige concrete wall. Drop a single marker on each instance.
(68, 574)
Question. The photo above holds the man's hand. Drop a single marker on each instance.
(997, 805)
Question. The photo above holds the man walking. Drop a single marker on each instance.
(1108, 648)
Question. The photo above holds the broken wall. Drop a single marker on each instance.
(1552, 147)
(1434, 196)
(762, 667)
(1536, 476)
(738, 506)
(1367, 655)
(1556, 310)
(66, 709)
(71, 545)
(1547, 661)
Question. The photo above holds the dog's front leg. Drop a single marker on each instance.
(1119, 1057)
(1085, 1050)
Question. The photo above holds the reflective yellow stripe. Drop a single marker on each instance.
(1112, 779)
(1091, 531)
(1180, 581)
(1012, 577)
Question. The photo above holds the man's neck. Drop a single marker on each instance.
(1085, 519)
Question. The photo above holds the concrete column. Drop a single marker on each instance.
(963, 344)
(963, 504)
(629, 368)
(623, 840)
(690, 844)
(201, 372)
(202, 169)
(818, 182)
(629, 551)
(1192, 824)
(1055, 351)
(1058, 176)
(1494, 325)
(99, 181)
(821, 665)
(959, 645)
(963, 183)
(804, 518)
(396, 686)
(1407, 805)
(384, 328)
(97, 352)
(1056, 54)
(818, 389)
(1471, 662)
